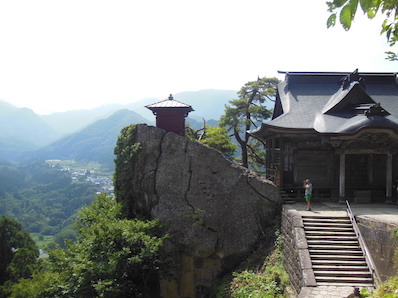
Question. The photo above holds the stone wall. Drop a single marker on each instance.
(295, 250)
(379, 239)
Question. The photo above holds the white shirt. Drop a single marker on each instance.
(308, 188)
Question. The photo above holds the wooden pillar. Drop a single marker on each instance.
(342, 179)
(389, 178)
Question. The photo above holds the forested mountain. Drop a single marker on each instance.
(41, 197)
(93, 143)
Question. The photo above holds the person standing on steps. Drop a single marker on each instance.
(308, 192)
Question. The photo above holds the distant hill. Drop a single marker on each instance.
(6, 108)
(72, 121)
(22, 130)
(208, 104)
(93, 143)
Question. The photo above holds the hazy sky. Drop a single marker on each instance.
(65, 55)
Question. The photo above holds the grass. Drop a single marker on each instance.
(42, 241)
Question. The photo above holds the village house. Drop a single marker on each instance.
(338, 129)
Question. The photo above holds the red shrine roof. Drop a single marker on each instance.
(169, 103)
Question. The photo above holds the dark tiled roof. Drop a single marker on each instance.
(334, 102)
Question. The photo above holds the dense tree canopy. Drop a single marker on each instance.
(112, 257)
(246, 112)
(18, 253)
(345, 11)
(217, 137)
(42, 198)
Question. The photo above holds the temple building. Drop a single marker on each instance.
(170, 114)
(338, 129)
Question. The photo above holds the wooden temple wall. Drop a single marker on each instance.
(293, 161)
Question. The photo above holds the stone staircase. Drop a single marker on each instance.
(337, 259)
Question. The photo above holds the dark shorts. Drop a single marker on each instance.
(308, 197)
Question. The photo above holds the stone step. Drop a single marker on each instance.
(326, 224)
(347, 280)
(328, 234)
(342, 284)
(334, 247)
(333, 242)
(339, 262)
(331, 267)
(337, 257)
(326, 229)
(347, 274)
(313, 216)
(329, 237)
(327, 220)
(331, 252)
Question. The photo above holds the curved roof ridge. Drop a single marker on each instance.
(353, 95)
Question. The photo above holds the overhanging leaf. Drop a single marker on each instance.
(365, 5)
(353, 7)
(331, 20)
(371, 13)
(339, 3)
(346, 17)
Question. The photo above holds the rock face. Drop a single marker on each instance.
(214, 209)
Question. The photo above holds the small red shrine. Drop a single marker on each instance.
(170, 114)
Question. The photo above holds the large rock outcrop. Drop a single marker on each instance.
(214, 210)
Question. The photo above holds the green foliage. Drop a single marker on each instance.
(67, 233)
(270, 281)
(42, 198)
(245, 113)
(251, 284)
(18, 253)
(112, 257)
(217, 138)
(213, 136)
(346, 10)
(197, 217)
(388, 289)
(126, 150)
(259, 277)
(43, 284)
(43, 241)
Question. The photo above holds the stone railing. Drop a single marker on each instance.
(295, 250)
